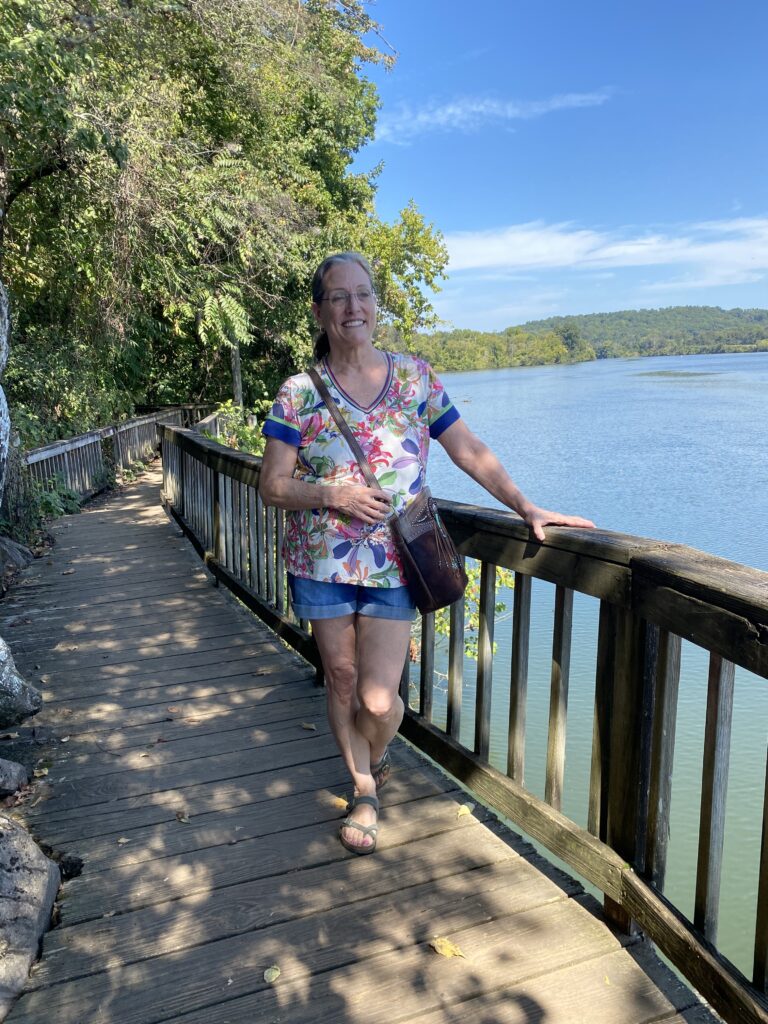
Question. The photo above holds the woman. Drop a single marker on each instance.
(342, 569)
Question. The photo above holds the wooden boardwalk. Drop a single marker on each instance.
(196, 779)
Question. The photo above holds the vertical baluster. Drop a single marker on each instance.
(261, 546)
(518, 691)
(427, 674)
(714, 785)
(253, 572)
(597, 818)
(405, 681)
(667, 683)
(243, 533)
(216, 516)
(760, 972)
(558, 699)
(234, 518)
(180, 483)
(485, 660)
(270, 553)
(455, 667)
(279, 563)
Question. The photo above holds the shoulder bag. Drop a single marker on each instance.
(432, 566)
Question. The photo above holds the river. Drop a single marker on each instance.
(674, 448)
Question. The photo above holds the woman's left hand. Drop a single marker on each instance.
(537, 518)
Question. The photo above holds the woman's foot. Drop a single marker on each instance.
(359, 829)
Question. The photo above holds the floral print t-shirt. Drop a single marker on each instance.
(394, 432)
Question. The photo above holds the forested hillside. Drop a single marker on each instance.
(678, 330)
(170, 176)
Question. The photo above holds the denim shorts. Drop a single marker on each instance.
(313, 599)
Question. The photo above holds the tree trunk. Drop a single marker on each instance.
(237, 378)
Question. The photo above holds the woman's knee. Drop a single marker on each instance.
(341, 680)
(380, 703)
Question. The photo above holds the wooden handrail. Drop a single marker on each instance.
(651, 595)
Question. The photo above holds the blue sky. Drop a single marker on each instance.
(579, 157)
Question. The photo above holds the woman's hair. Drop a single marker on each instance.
(322, 346)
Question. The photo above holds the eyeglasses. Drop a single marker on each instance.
(340, 298)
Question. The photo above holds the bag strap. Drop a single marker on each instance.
(341, 423)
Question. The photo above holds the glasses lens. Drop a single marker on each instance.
(341, 298)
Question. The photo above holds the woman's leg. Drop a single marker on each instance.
(381, 648)
(337, 641)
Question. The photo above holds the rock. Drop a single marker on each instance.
(13, 555)
(18, 700)
(12, 777)
(29, 882)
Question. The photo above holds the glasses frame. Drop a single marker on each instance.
(371, 297)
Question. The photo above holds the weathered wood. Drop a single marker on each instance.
(455, 666)
(760, 968)
(667, 684)
(714, 786)
(485, 659)
(427, 673)
(518, 688)
(591, 858)
(558, 698)
(597, 818)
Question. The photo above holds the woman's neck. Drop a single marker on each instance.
(355, 361)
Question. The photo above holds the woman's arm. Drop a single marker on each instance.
(477, 460)
(277, 486)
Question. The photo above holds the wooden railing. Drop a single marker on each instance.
(81, 463)
(651, 595)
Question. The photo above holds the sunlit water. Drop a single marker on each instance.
(673, 448)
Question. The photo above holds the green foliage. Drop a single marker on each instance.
(240, 428)
(504, 578)
(170, 176)
(678, 330)
(55, 499)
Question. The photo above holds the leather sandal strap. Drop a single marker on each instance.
(367, 830)
(372, 800)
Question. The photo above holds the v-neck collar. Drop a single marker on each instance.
(377, 399)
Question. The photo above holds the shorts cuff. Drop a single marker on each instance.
(385, 611)
(323, 611)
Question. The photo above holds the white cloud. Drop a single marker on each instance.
(731, 251)
(466, 114)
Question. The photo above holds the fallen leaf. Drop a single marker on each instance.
(174, 710)
(122, 841)
(144, 755)
(272, 974)
(40, 773)
(340, 801)
(464, 810)
(110, 913)
(67, 572)
(65, 739)
(309, 726)
(445, 947)
(182, 816)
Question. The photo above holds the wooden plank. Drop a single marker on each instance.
(558, 699)
(511, 947)
(581, 851)
(760, 967)
(518, 686)
(484, 687)
(662, 757)
(100, 944)
(616, 988)
(427, 665)
(455, 666)
(155, 882)
(713, 976)
(714, 786)
(738, 638)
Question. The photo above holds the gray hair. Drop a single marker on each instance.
(322, 346)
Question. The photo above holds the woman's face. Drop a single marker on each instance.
(347, 311)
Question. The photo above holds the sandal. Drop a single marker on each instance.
(367, 830)
(380, 771)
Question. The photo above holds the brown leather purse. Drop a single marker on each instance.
(431, 564)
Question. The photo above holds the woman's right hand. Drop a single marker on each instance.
(364, 503)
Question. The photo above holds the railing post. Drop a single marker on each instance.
(629, 744)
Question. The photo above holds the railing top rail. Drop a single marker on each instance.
(717, 603)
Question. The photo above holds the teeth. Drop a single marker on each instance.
(354, 323)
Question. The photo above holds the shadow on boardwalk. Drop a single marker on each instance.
(195, 777)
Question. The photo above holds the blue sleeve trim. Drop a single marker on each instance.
(282, 431)
(444, 420)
